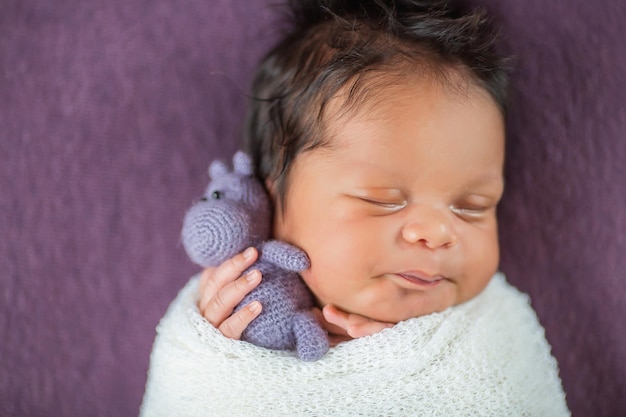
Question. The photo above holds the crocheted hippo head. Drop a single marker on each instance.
(233, 214)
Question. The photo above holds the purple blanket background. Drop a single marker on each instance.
(110, 111)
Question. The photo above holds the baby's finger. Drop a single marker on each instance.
(234, 326)
(353, 324)
(335, 333)
(336, 321)
(366, 327)
(221, 305)
(213, 279)
(232, 268)
(204, 294)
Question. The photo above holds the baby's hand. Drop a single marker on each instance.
(343, 326)
(223, 287)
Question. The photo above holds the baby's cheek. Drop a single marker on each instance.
(317, 286)
(484, 265)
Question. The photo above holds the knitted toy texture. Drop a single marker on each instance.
(234, 214)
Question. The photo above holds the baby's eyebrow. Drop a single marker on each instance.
(486, 180)
(489, 176)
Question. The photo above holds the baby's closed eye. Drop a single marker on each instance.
(381, 200)
(386, 204)
(473, 208)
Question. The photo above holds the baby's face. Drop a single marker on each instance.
(398, 214)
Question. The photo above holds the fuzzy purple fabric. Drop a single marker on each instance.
(234, 214)
(110, 111)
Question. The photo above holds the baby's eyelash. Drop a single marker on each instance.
(385, 204)
(469, 211)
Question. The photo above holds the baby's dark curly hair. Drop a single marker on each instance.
(359, 48)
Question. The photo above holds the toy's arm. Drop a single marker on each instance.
(284, 255)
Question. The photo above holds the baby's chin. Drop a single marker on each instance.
(403, 316)
(396, 315)
(396, 311)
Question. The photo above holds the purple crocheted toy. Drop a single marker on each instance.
(234, 214)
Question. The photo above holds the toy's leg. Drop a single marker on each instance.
(311, 339)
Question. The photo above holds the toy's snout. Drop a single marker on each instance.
(213, 233)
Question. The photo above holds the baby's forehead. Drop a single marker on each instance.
(369, 96)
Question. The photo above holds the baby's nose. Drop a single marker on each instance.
(430, 228)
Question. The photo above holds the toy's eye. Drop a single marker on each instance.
(216, 195)
(204, 199)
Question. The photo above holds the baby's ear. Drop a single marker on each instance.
(217, 169)
(269, 185)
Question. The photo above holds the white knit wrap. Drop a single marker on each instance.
(486, 357)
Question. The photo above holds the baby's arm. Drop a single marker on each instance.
(284, 255)
(222, 288)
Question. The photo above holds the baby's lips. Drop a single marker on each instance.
(415, 275)
(421, 275)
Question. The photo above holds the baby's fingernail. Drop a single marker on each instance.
(251, 275)
(254, 307)
(248, 254)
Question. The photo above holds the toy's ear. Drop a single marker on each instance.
(217, 169)
(242, 163)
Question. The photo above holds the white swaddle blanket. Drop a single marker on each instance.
(486, 357)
